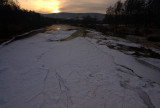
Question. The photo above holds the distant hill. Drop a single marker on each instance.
(65, 15)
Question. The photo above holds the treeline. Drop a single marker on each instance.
(86, 21)
(15, 20)
(129, 18)
(134, 12)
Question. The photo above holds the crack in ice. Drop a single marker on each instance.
(142, 94)
(66, 89)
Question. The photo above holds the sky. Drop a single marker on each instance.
(74, 6)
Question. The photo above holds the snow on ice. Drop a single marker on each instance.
(79, 73)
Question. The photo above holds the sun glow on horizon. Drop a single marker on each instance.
(56, 11)
(48, 6)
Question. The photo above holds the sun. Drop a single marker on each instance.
(56, 11)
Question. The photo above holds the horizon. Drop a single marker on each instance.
(75, 13)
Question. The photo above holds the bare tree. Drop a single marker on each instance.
(118, 7)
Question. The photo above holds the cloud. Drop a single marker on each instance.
(42, 6)
(85, 5)
(81, 6)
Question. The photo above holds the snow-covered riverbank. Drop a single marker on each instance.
(78, 73)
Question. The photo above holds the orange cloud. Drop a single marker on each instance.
(52, 6)
(43, 6)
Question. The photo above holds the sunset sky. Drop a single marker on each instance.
(75, 6)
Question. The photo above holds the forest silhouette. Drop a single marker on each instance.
(15, 20)
(134, 12)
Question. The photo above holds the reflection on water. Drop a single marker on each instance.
(60, 27)
(78, 33)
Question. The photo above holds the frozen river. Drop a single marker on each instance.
(53, 70)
